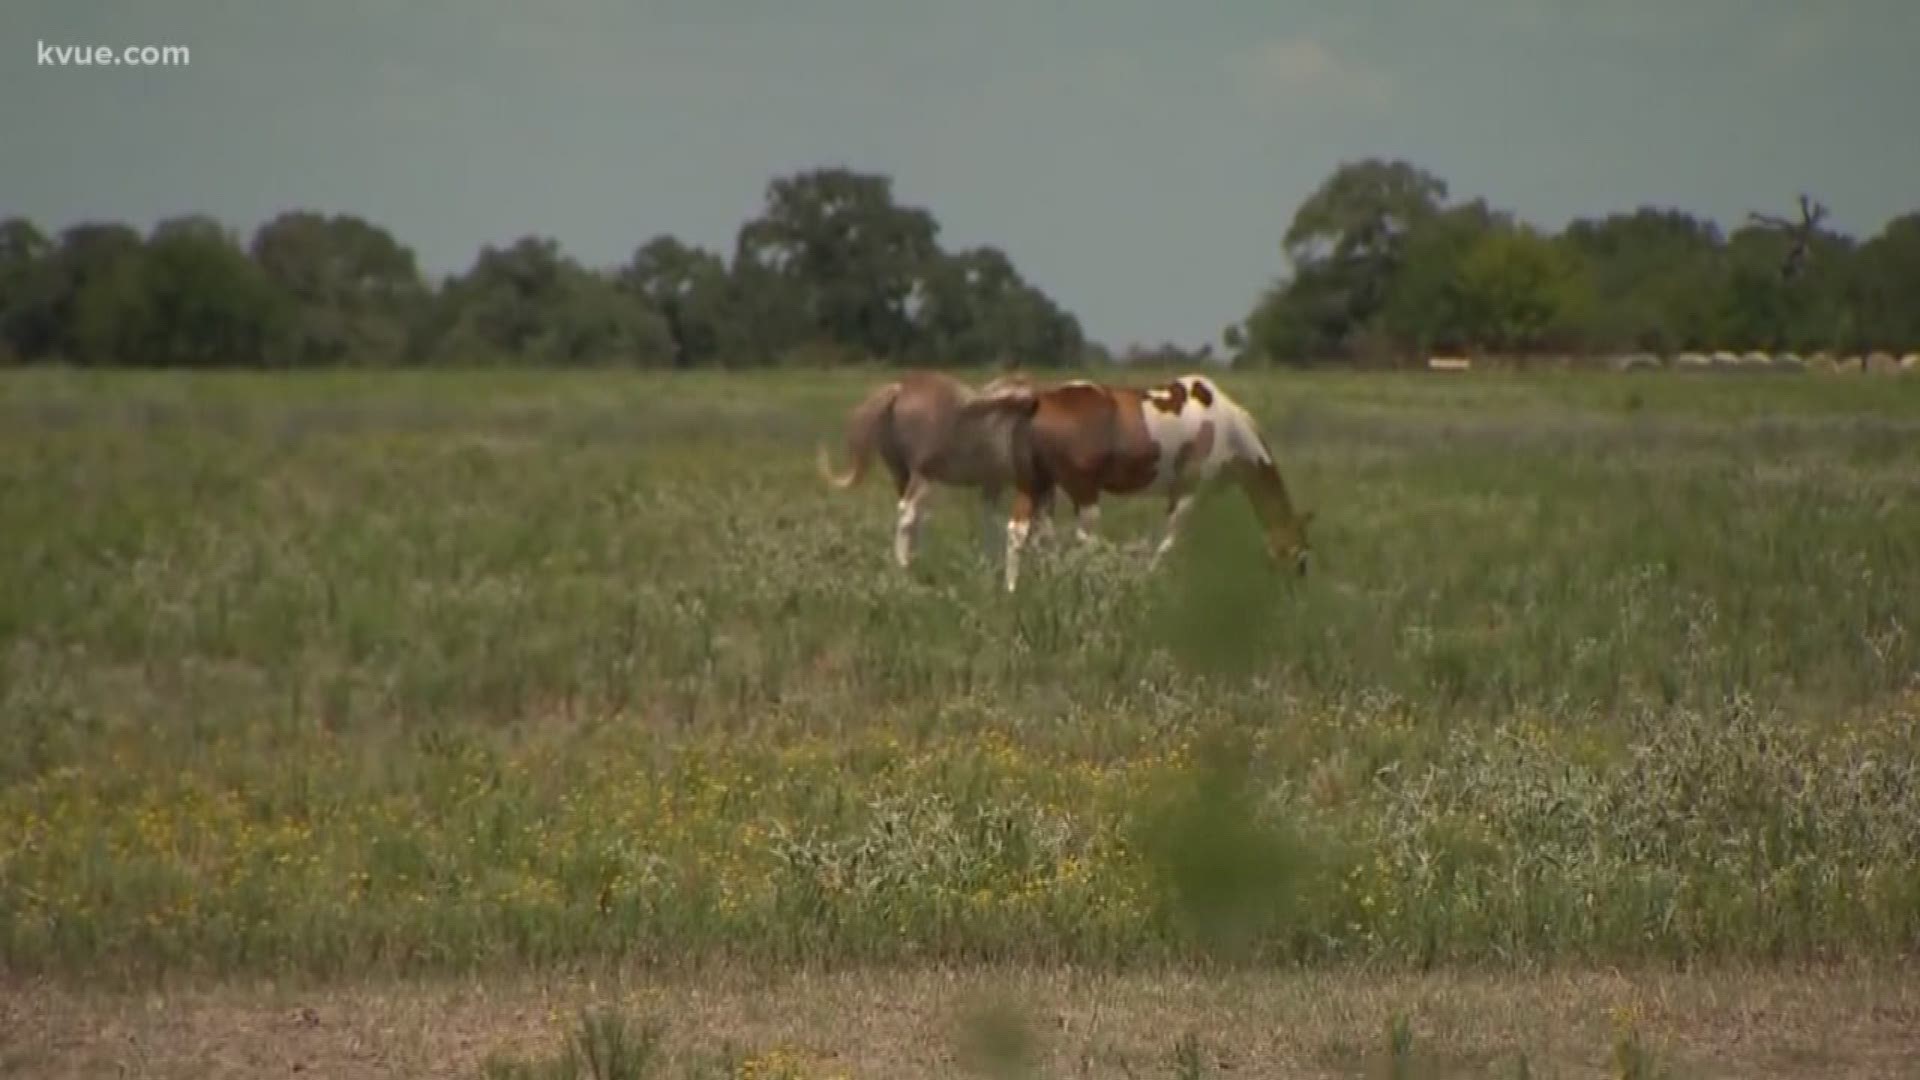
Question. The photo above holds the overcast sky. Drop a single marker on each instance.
(1138, 159)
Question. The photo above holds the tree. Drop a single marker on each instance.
(1763, 307)
(93, 295)
(26, 327)
(529, 301)
(1294, 323)
(849, 255)
(1349, 237)
(1656, 276)
(355, 291)
(1362, 211)
(1346, 243)
(768, 315)
(1802, 233)
(974, 308)
(1517, 292)
(689, 287)
(1425, 306)
(1883, 285)
(205, 303)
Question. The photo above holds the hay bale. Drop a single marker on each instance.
(1882, 363)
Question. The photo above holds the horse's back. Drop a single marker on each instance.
(1076, 416)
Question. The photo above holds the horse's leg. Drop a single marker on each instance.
(1086, 518)
(910, 518)
(1084, 493)
(1019, 523)
(1177, 513)
(1043, 517)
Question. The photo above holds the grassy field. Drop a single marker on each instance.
(339, 677)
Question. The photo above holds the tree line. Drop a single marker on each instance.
(833, 267)
(1386, 268)
(1383, 267)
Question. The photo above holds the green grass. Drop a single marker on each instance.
(416, 671)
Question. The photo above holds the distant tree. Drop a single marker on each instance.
(689, 288)
(1294, 323)
(1762, 307)
(1362, 212)
(1426, 306)
(1657, 275)
(769, 314)
(850, 257)
(1821, 308)
(94, 295)
(1753, 302)
(355, 292)
(529, 301)
(1517, 292)
(1346, 244)
(959, 305)
(205, 303)
(1883, 286)
(26, 327)
(1802, 234)
(833, 269)
(973, 308)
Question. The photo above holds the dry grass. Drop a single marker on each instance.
(1747, 1023)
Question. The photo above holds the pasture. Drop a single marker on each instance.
(384, 684)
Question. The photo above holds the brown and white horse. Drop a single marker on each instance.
(928, 427)
(1176, 440)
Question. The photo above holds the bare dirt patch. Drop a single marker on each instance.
(909, 1023)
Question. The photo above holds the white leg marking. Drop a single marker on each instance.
(909, 524)
(1178, 514)
(1085, 520)
(1016, 539)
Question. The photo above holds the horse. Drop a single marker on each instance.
(928, 427)
(1179, 440)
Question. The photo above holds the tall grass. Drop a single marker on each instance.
(452, 670)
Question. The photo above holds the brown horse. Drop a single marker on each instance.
(1176, 440)
(928, 427)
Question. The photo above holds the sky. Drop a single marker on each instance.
(1139, 160)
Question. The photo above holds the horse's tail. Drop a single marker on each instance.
(863, 430)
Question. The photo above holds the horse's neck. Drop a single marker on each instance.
(1243, 440)
(1259, 474)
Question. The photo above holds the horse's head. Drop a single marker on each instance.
(1288, 544)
